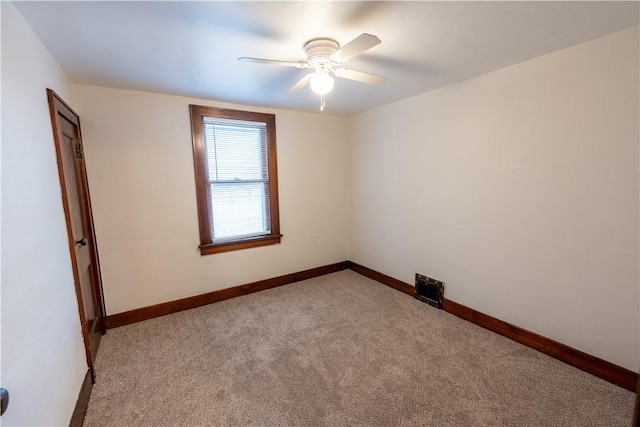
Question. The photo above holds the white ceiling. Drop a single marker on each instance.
(191, 48)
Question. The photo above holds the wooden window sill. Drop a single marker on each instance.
(234, 245)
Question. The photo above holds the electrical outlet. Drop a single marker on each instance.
(314, 237)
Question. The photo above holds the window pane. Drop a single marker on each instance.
(238, 210)
(235, 150)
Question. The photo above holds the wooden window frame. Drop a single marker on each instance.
(207, 246)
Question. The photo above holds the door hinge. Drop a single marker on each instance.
(79, 152)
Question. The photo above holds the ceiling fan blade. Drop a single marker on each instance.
(359, 76)
(299, 64)
(301, 83)
(355, 47)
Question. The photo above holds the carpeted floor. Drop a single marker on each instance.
(337, 350)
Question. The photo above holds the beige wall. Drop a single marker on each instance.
(140, 166)
(519, 189)
(43, 360)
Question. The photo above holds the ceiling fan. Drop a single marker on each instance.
(325, 57)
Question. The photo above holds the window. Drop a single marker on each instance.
(236, 178)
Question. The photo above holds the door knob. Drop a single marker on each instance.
(82, 241)
(4, 400)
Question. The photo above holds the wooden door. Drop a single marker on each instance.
(77, 210)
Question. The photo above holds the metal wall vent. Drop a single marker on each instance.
(429, 290)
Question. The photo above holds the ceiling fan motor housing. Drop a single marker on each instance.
(319, 50)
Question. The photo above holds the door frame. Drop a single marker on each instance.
(57, 107)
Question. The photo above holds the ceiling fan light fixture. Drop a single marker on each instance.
(321, 83)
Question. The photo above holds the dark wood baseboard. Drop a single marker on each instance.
(601, 368)
(636, 412)
(77, 417)
(145, 313)
(591, 364)
(383, 278)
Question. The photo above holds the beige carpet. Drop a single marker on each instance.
(338, 350)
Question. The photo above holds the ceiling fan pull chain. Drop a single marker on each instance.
(322, 104)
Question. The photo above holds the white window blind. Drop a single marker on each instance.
(238, 178)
